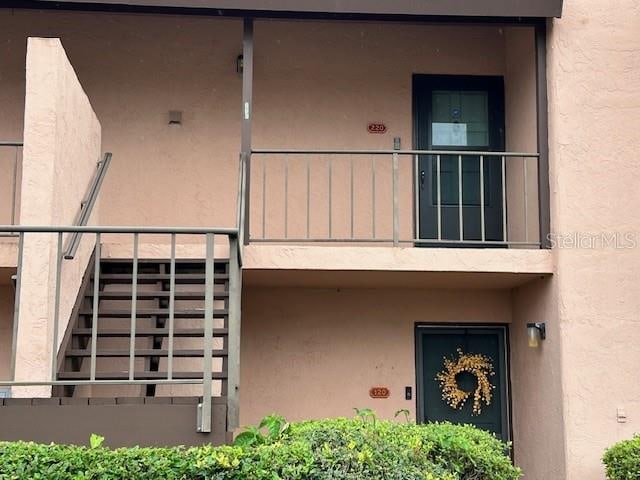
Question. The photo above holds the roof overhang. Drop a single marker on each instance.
(525, 9)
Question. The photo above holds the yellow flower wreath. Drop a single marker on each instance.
(476, 364)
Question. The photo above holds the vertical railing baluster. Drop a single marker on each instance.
(308, 199)
(16, 309)
(96, 303)
(482, 226)
(56, 310)
(264, 196)
(416, 197)
(352, 193)
(394, 181)
(205, 425)
(134, 306)
(14, 187)
(460, 213)
(373, 196)
(504, 199)
(439, 193)
(526, 196)
(286, 196)
(330, 194)
(172, 306)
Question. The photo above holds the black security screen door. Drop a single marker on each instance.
(434, 344)
(462, 114)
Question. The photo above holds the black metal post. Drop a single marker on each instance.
(543, 134)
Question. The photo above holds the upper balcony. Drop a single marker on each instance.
(357, 137)
(469, 213)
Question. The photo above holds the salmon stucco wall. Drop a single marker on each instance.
(536, 383)
(8, 252)
(318, 84)
(62, 146)
(315, 353)
(135, 69)
(594, 114)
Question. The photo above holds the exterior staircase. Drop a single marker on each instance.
(161, 345)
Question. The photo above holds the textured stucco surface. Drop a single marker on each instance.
(402, 259)
(8, 252)
(62, 146)
(349, 75)
(536, 381)
(146, 66)
(314, 353)
(594, 87)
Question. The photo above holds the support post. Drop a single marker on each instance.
(56, 310)
(544, 211)
(247, 115)
(16, 308)
(233, 365)
(204, 409)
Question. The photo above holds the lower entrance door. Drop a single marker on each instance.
(459, 114)
(452, 362)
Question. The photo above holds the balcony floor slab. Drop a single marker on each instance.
(375, 267)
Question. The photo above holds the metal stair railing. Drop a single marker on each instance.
(129, 377)
(86, 206)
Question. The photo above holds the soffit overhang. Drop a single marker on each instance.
(514, 9)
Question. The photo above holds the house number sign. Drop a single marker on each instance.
(379, 392)
(377, 128)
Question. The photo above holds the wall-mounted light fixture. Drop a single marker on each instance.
(535, 333)
(239, 64)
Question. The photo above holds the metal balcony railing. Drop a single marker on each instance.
(55, 236)
(395, 197)
(10, 160)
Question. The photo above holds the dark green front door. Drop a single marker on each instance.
(461, 114)
(434, 344)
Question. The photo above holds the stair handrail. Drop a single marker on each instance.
(204, 410)
(86, 206)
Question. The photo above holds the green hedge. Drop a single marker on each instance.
(316, 450)
(623, 460)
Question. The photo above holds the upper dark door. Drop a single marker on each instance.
(459, 113)
(434, 344)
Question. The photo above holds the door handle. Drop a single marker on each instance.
(422, 177)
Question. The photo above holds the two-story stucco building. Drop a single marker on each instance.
(327, 199)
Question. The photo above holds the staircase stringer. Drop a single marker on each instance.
(67, 390)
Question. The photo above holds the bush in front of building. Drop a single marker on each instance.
(341, 449)
(623, 460)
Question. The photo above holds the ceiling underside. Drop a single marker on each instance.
(399, 8)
